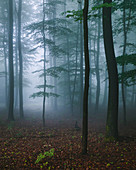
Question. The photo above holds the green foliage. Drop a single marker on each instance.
(49, 153)
(47, 86)
(128, 77)
(127, 59)
(107, 5)
(77, 15)
(53, 71)
(41, 94)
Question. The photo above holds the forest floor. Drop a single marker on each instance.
(26, 145)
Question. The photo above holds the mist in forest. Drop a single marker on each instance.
(50, 63)
(67, 84)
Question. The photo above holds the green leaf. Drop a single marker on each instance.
(126, 59)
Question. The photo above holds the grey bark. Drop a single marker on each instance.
(97, 64)
(11, 67)
(20, 61)
(44, 81)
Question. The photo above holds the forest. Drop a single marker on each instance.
(67, 84)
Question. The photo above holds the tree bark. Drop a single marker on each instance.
(104, 103)
(16, 60)
(86, 87)
(75, 77)
(125, 31)
(44, 43)
(20, 62)
(112, 112)
(81, 62)
(11, 67)
(97, 64)
(54, 62)
(6, 69)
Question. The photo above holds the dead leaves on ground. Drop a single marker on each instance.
(22, 142)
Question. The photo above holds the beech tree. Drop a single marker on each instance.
(11, 67)
(112, 112)
(86, 86)
(20, 61)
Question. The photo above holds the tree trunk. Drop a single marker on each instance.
(112, 112)
(6, 70)
(86, 87)
(125, 31)
(11, 67)
(97, 64)
(90, 80)
(20, 62)
(81, 62)
(54, 62)
(44, 43)
(104, 103)
(75, 78)
(16, 58)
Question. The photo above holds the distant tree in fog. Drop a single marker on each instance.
(20, 61)
(11, 67)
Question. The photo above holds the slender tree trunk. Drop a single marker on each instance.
(90, 80)
(68, 63)
(69, 84)
(54, 62)
(6, 70)
(16, 59)
(86, 87)
(81, 62)
(11, 67)
(20, 62)
(125, 31)
(97, 64)
(105, 90)
(123, 67)
(75, 78)
(112, 112)
(44, 43)
(65, 77)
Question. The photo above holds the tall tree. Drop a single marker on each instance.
(112, 112)
(54, 58)
(11, 68)
(86, 87)
(81, 61)
(126, 28)
(20, 62)
(97, 62)
(44, 61)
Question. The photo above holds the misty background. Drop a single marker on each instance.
(64, 58)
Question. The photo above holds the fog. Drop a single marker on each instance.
(62, 52)
(67, 84)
